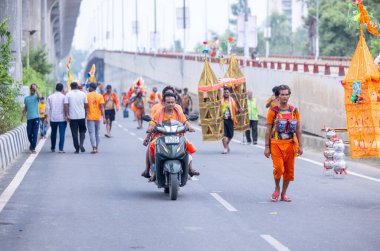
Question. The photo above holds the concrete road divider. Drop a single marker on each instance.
(11, 144)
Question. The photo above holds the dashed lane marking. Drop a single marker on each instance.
(141, 139)
(310, 161)
(274, 243)
(132, 133)
(222, 201)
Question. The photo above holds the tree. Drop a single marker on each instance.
(240, 7)
(38, 61)
(338, 33)
(9, 89)
(281, 41)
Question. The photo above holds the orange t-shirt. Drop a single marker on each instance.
(94, 101)
(158, 106)
(286, 114)
(179, 116)
(154, 96)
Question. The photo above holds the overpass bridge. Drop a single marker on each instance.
(316, 87)
(36, 23)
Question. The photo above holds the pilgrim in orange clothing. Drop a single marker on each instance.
(150, 136)
(229, 110)
(283, 140)
(154, 97)
(170, 111)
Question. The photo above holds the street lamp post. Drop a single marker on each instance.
(317, 33)
(30, 33)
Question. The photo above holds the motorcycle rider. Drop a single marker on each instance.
(154, 109)
(170, 112)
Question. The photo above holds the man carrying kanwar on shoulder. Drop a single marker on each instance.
(154, 109)
(229, 110)
(171, 112)
(111, 106)
(283, 140)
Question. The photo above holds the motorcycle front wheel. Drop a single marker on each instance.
(173, 187)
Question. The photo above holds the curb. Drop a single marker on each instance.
(11, 144)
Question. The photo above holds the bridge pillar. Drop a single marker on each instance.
(316, 69)
(12, 9)
(327, 69)
(305, 67)
(341, 70)
(295, 67)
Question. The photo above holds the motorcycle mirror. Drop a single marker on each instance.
(193, 117)
(146, 118)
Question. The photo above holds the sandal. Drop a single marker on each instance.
(285, 198)
(275, 196)
(193, 173)
(153, 178)
(145, 174)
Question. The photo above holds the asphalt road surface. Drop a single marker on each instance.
(100, 202)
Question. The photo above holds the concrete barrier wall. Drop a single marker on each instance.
(320, 98)
(11, 144)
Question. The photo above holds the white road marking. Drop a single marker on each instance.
(125, 130)
(15, 183)
(227, 205)
(141, 139)
(274, 243)
(119, 125)
(194, 178)
(132, 133)
(311, 161)
(349, 172)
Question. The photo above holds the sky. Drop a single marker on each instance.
(117, 16)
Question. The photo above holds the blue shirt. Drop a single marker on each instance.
(31, 104)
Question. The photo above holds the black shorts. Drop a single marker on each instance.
(228, 128)
(110, 115)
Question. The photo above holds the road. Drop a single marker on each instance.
(100, 202)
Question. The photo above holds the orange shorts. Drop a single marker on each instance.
(189, 146)
(283, 155)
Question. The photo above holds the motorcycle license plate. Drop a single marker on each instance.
(171, 140)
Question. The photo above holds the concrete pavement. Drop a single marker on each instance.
(100, 202)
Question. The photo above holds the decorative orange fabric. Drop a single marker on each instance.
(283, 154)
(158, 106)
(233, 108)
(363, 116)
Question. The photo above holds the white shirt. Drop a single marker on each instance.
(55, 107)
(76, 100)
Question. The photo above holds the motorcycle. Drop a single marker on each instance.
(171, 158)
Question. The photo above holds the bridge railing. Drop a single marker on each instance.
(337, 66)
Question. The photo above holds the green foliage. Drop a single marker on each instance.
(38, 71)
(338, 33)
(281, 40)
(38, 61)
(238, 8)
(9, 90)
(31, 76)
